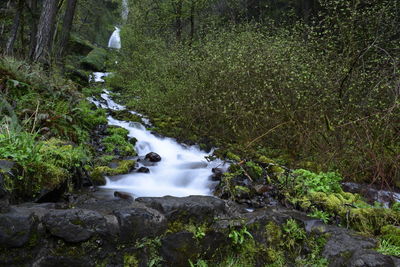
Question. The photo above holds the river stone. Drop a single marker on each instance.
(74, 225)
(153, 157)
(16, 228)
(143, 170)
(186, 208)
(139, 222)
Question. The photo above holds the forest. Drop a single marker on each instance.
(300, 98)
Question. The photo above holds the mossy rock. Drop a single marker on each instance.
(123, 167)
(125, 115)
(118, 142)
(77, 45)
(95, 60)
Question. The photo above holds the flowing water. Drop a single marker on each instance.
(183, 170)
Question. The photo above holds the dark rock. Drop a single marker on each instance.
(153, 157)
(178, 248)
(217, 174)
(139, 222)
(123, 195)
(53, 195)
(343, 242)
(143, 170)
(370, 258)
(192, 207)
(61, 261)
(75, 225)
(16, 228)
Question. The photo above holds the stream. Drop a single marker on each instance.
(183, 170)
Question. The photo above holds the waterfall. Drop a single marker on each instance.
(115, 39)
(125, 10)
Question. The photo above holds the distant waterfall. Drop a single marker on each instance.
(115, 39)
(125, 10)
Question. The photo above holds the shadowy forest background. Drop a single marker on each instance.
(310, 83)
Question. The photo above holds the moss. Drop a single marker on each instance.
(118, 142)
(130, 261)
(231, 156)
(95, 60)
(266, 160)
(391, 233)
(125, 115)
(277, 170)
(98, 173)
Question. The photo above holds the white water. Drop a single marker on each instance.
(183, 170)
(125, 10)
(115, 39)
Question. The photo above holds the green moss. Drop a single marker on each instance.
(391, 233)
(254, 170)
(130, 261)
(125, 115)
(231, 156)
(95, 60)
(98, 173)
(117, 142)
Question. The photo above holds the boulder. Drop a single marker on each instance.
(143, 170)
(153, 157)
(178, 248)
(370, 258)
(74, 225)
(139, 222)
(186, 208)
(16, 228)
(217, 174)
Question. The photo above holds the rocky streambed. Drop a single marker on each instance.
(170, 231)
(122, 229)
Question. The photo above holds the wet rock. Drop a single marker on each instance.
(186, 208)
(260, 188)
(139, 222)
(143, 170)
(178, 248)
(370, 258)
(123, 195)
(344, 242)
(153, 157)
(16, 228)
(74, 225)
(217, 174)
(51, 261)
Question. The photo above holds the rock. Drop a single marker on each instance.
(343, 241)
(139, 222)
(74, 225)
(217, 174)
(186, 208)
(123, 195)
(143, 170)
(95, 60)
(16, 228)
(51, 261)
(153, 157)
(178, 248)
(370, 258)
(261, 189)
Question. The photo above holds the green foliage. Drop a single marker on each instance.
(328, 182)
(238, 237)
(323, 215)
(320, 92)
(387, 248)
(117, 141)
(294, 232)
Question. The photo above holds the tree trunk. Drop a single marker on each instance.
(45, 32)
(66, 28)
(178, 21)
(192, 10)
(33, 10)
(15, 27)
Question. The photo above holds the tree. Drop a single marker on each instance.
(14, 31)
(45, 31)
(66, 29)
